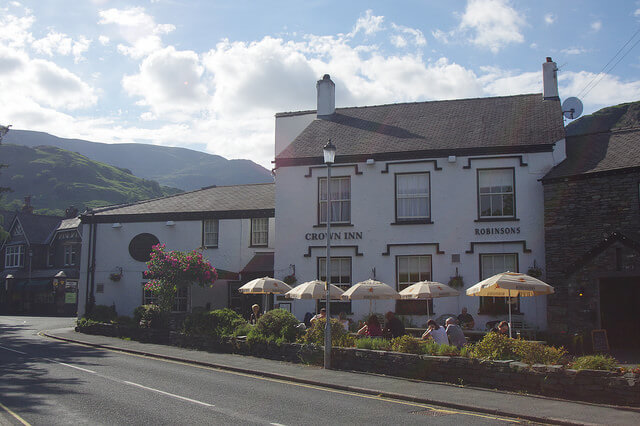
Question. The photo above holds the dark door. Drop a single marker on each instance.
(619, 311)
(241, 303)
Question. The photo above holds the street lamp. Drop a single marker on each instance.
(329, 152)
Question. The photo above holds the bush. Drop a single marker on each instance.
(406, 344)
(374, 343)
(448, 350)
(221, 322)
(497, 347)
(594, 362)
(315, 334)
(150, 316)
(85, 322)
(243, 329)
(277, 326)
(102, 313)
(124, 320)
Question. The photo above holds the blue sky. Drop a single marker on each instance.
(210, 75)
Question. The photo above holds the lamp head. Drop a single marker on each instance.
(329, 151)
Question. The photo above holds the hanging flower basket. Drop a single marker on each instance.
(290, 279)
(456, 282)
(535, 272)
(115, 277)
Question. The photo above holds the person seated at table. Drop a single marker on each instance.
(371, 328)
(454, 332)
(466, 320)
(342, 319)
(502, 328)
(255, 314)
(435, 332)
(322, 314)
(394, 326)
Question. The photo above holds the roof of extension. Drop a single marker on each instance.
(436, 127)
(220, 199)
(597, 153)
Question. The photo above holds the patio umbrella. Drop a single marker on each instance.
(370, 290)
(265, 285)
(425, 290)
(508, 284)
(314, 290)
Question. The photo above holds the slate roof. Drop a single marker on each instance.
(211, 199)
(38, 228)
(68, 224)
(438, 126)
(594, 154)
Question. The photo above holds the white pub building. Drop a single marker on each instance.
(447, 191)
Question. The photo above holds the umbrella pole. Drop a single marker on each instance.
(509, 303)
(428, 315)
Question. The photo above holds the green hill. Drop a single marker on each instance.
(613, 117)
(57, 179)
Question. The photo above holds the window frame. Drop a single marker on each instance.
(413, 220)
(16, 256)
(336, 305)
(252, 242)
(205, 233)
(72, 256)
(320, 203)
(479, 195)
(500, 302)
(413, 307)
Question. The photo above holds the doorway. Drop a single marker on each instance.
(619, 304)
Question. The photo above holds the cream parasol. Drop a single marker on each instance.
(314, 290)
(370, 290)
(425, 290)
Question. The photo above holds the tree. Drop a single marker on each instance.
(3, 131)
(169, 270)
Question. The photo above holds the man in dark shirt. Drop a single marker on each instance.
(394, 326)
(466, 320)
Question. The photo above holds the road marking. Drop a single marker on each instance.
(71, 366)
(17, 417)
(13, 350)
(315, 387)
(169, 394)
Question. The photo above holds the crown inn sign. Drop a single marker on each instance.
(321, 236)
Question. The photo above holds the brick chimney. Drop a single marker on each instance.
(27, 208)
(326, 96)
(550, 80)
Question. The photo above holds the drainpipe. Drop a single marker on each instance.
(92, 298)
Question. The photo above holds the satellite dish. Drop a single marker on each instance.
(572, 108)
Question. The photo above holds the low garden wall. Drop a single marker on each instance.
(609, 387)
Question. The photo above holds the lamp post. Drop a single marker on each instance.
(329, 152)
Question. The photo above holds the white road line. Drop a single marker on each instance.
(13, 350)
(169, 394)
(72, 366)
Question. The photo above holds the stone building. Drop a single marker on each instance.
(592, 238)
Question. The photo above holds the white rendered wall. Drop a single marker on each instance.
(288, 127)
(453, 211)
(232, 254)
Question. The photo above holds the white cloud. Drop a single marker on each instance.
(398, 41)
(550, 18)
(62, 44)
(441, 36)
(14, 30)
(596, 26)
(368, 23)
(493, 24)
(636, 13)
(169, 82)
(138, 29)
(574, 51)
(417, 35)
(104, 40)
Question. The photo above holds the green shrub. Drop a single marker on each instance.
(150, 316)
(277, 326)
(373, 343)
(466, 351)
(594, 362)
(85, 322)
(221, 322)
(102, 313)
(315, 334)
(406, 344)
(497, 347)
(124, 320)
(448, 350)
(429, 348)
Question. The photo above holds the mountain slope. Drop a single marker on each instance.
(57, 178)
(613, 117)
(176, 167)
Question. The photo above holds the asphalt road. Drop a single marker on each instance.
(43, 381)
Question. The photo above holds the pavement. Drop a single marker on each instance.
(526, 407)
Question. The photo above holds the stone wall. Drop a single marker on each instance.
(585, 385)
(579, 216)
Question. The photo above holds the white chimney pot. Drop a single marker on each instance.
(326, 96)
(550, 80)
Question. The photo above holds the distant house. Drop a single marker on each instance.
(592, 234)
(233, 226)
(420, 191)
(40, 261)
